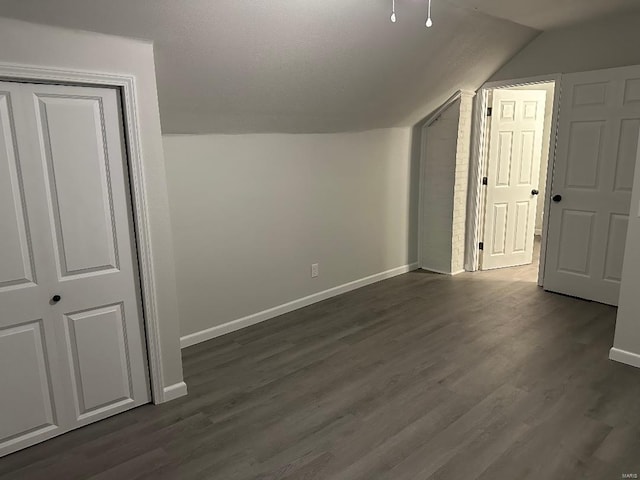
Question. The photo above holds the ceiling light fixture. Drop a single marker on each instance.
(393, 18)
(429, 22)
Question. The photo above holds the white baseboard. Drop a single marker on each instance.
(442, 272)
(232, 326)
(625, 357)
(174, 391)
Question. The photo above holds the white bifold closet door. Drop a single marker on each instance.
(72, 346)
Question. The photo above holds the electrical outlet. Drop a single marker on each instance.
(314, 270)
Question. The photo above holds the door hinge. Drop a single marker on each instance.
(481, 245)
(485, 181)
(489, 111)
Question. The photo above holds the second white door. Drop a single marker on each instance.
(593, 175)
(515, 150)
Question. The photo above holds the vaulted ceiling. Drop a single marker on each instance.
(546, 14)
(233, 66)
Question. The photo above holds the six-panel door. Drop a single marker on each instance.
(515, 150)
(593, 175)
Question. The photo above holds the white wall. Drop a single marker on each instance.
(605, 43)
(438, 179)
(36, 45)
(627, 339)
(251, 213)
(461, 183)
(445, 175)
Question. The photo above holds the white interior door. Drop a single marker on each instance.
(592, 180)
(72, 347)
(515, 150)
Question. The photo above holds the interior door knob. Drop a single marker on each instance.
(56, 298)
(535, 192)
(557, 198)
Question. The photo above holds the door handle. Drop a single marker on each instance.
(56, 299)
(557, 198)
(535, 192)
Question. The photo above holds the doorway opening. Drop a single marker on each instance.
(592, 159)
(516, 145)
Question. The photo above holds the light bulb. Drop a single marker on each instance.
(429, 23)
(393, 17)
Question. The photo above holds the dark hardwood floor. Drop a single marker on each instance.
(482, 376)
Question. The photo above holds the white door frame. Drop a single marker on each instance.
(479, 138)
(128, 93)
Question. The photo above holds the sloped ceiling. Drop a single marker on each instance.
(547, 14)
(236, 66)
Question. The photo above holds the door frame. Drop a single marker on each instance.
(479, 160)
(126, 85)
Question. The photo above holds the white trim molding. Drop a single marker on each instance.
(622, 356)
(174, 391)
(442, 272)
(127, 86)
(232, 326)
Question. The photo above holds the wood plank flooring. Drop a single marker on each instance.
(482, 376)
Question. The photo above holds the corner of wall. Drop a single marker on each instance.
(463, 154)
(626, 345)
(444, 187)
